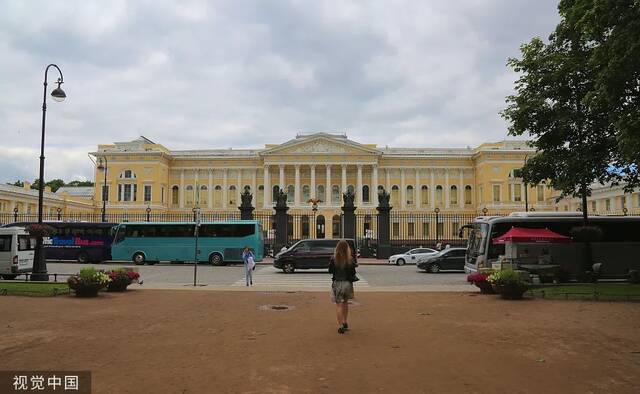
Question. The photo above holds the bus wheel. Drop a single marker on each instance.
(9, 277)
(434, 268)
(138, 258)
(288, 268)
(215, 259)
(81, 257)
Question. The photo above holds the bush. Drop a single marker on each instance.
(507, 277)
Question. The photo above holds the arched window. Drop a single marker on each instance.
(232, 195)
(395, 195)
(260, 196)
(306, 193)
(365, 193)
(204, 195)
(128, 174)
(467, 194)
(291, 191)
(274, 193)
(320, 193)
(217, 196)
(175, 195)
(189, 195)
(439, 197)
(410, 197)
(336, 227)
(304, 224)
(424, 195)
(453, 195)
(335, 195)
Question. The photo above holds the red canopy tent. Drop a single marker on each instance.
(530, 235)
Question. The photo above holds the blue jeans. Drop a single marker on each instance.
(248, 274)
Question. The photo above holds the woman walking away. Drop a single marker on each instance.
(343, 269)
(249, 265)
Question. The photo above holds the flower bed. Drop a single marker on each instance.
(88, 282)
(509, 284)
(480, 280)
(120, 279)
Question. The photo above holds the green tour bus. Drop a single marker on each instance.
(218, 242)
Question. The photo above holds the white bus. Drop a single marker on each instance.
(16, 252)
(618, 250)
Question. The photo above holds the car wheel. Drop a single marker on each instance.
(9, 277)
(216, 259)
(82, 257)
(138, 258)
(400, 262)
(434, 268)
(288, 268)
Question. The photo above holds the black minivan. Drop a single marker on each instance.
(309, 254)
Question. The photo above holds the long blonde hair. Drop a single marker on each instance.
(342, 255)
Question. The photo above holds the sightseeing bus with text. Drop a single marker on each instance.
(218, 242)
(80, 241)
(617, 249)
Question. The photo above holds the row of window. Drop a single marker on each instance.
(129, 192)
(191, 195)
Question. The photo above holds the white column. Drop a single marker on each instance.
(296, 192)
(196, 192)
(225, 194)
(417, 196)
(522, 200)
(388, 180)
(266, 181)
(254, 187)
(327, 188)
(403, 190)
(344, 179)
(433, 189)
(181, 188)
(210, 190)
(239, 187)
(446, 189)
(313, 193)
(373, 194)
(281, 180)
(359, 186)
(461, 190)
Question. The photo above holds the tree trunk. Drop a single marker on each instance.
(587, 262)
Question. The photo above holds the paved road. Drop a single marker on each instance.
(372, 277)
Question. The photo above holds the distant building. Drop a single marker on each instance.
(24, 200)
(604, 200)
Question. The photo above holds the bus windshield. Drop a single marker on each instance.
(477, 239)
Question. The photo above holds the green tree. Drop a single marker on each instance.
(54, 184)
(612, 30)
(80, 183)
(16, 183)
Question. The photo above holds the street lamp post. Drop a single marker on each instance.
(148, 213)
(104, 167)
(40, 265)
(15, 214)
(59, 210)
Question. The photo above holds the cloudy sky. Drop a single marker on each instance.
(219, 74)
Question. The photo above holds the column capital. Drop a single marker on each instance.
(265, 166)
(359, 165)
(297, 166)
(281, 166)
(343, 166)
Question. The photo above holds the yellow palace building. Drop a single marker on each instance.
(142, 174)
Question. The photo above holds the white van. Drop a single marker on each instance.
(16, 251)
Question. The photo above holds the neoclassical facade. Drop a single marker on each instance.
(142, 174)
(24, 200)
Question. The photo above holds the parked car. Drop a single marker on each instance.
(309, 254)
(16, 252)
(412, 256)
(448, 259)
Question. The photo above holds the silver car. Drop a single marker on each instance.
(412, 256)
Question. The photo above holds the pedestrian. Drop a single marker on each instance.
(343, 269)
(249, 265)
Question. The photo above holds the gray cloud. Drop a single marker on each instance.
(196, 74)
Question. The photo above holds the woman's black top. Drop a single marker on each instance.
(346, 272)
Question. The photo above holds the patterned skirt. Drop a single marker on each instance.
(341, 291)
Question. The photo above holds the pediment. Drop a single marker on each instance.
(321, 144)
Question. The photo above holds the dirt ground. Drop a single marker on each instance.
(156, 341)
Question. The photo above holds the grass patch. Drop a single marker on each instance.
(590, 291)
(33, 288)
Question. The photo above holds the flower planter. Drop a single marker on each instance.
(511, 291)
(86, 291)
(118, 285)
(485, 287)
